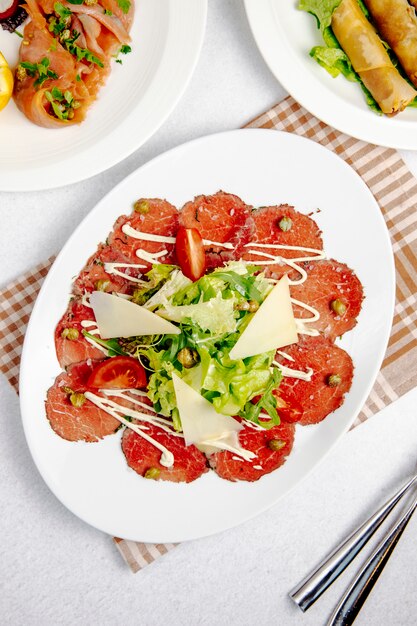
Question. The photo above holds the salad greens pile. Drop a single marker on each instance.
(211, 312)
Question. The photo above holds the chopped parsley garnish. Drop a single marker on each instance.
(125, 49)
(18, 34)
(78, 52)
(119, 61)
(124, 5)
(107, 12)
(57, 26)
(40, 70)
(62, 103)
(75, 1)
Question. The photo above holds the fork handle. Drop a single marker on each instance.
(354, 598)
(311, 588)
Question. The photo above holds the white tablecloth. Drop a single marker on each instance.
(54, 569)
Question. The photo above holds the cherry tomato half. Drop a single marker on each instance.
(119, 372)
(190, 253)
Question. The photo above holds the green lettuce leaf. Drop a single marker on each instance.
(321, 9)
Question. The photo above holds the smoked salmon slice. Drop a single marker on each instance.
(65, 58)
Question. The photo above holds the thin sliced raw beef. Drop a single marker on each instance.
(321, 395)
(330, 282)
(303, 232)
(231, 467)
(76, 423)
(94, 275)
(70, 344)
(223, 218)
(151, 215)
(142, 456)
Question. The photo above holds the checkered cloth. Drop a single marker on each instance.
(395, 190)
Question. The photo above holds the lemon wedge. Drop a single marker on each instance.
(6, 82)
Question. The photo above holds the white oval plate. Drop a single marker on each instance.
(263, 167)
(285, 36)
(137, 98)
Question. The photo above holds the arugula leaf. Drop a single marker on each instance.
(112, 345)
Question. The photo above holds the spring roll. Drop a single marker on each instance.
(396, 22)
(370, 59)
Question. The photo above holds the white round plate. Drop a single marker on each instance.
(285, 37)
(137, 98)
(263, 167)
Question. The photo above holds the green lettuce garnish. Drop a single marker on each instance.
(211, 318)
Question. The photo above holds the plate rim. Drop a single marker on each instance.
(25, 358)
(341, 115)
(15, 181)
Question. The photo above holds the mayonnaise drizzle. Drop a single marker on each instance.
(151, 257)
(137, 234)
(246, 455)
(287, 372)
(112, 408)
(113, 268)
(280, 260)
(301, 322)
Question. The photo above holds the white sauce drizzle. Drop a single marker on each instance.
(113, 268)
(246, 455)
(285, 355)
(137, 234)
(287, 372)
(112, 408)
(278, 259)
(156, 418)
(88, 323)
(301, 323)
(151, 257)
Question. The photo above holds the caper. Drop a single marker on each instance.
(70, 333)
(188, 357)
(276, 444)
(285, 224)
(102, 285)
(142, 206)
(250, 306)
(66, 34)
(334, 380)
(338, 307)
(67, 390)
(77, 399)
(21, 73)
(152, 473)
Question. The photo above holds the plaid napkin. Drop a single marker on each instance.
(395, 190)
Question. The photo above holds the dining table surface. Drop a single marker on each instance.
(55, 569)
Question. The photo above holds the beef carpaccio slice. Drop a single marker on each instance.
(153, 216)
(327, 282)
(95, 277)
(303, 232)
(321, 395)
(142, 456)
(231, 467)
(77, 423)
(70, 344)
(222, 218)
